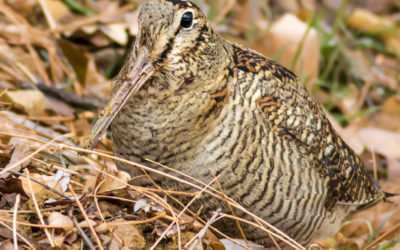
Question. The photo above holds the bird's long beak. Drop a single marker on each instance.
(136, 77)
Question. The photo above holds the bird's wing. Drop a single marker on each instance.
(295, 115)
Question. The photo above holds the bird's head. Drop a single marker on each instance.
(175, 37)
(176, 45)
(168, 27)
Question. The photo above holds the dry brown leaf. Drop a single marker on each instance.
(361, 65)
(111, 184)
(37, 188)
(8, 126)
(22, 6)
(102, 228)
(96, 83)
(20, 146)
(82, 126)
(112, 243)
(392, 41)
(19, 125)
(57, 239)
(58, 107)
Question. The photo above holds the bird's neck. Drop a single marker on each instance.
(188, 104)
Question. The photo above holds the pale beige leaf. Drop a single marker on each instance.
(85, 223)
(116, 32)
(131, 19)
(58, 10)
(58, 219)
(286, 35)
(367, 21)
(381, 141)
(393, 169)
(37, 188)
(32, 101)
(129, 235)
(8, 245)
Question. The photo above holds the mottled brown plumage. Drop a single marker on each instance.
(212, 105)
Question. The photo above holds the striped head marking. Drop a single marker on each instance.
(168, 25)
(177, 37)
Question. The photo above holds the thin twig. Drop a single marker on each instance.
(279, 234)
(213, 192)
(176, 220)
(262, 228)
(26, 71)
(23, 160)
(374, 163)
(80, 231)
(231, 209)
(32, 212)
(3, 92)
(44, 185)
(15, 215)
(382, 236)
(94, 234)
(103, 220)
(69, 226)
(180, 214)
(23, 238)
(93, 19)
(191, 244)
(48, 15)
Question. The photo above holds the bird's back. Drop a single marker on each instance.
(217, 107)
(302, 176)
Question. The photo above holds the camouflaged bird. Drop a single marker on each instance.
(205, 105)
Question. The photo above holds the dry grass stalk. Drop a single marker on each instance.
(15, 215)
(39, 214)
(215, 193)
(30, 245)
(94, 234)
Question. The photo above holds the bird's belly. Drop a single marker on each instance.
(260, 170)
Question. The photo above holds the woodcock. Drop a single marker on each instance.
(197, 103)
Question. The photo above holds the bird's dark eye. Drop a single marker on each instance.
(187, 19)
